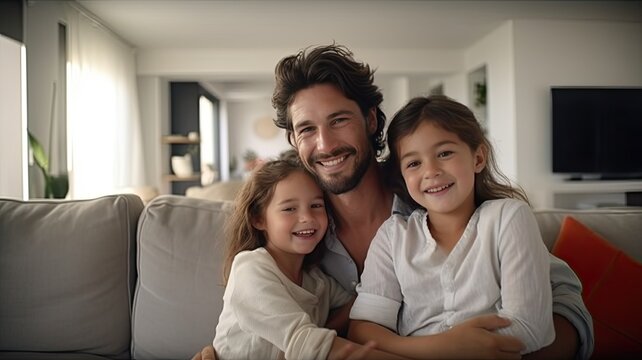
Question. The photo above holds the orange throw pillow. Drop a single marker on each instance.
(612, 288)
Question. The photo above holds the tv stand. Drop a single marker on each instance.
(584, 177)
(627, 176)
(574, 178)
(583, 192)
(604, 177)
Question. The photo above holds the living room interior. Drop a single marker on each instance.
(517, 51)
(140, 286)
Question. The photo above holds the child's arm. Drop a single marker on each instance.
(524, 276)
(472, 339)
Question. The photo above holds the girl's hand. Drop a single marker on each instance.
(206, 354)
(352, 351)
(475, 338)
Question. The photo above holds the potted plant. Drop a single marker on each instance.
(56, 186)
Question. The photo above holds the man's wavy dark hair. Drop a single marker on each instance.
(331, 64)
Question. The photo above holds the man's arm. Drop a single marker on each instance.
(566, 342)
(572, 321)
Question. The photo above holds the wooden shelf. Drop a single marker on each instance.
(172, 177)
(178, 139)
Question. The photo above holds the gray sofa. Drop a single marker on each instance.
(111, 278)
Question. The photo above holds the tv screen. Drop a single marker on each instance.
(597, 131)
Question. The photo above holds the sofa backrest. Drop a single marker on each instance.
(622, 226)
(179, 294)
(66, 275)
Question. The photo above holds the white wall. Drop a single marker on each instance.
(558, 53)
(495, 51)
(396, 92)
(455, 87)
(13, 147)
(242, 115)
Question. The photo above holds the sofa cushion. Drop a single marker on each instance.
(66, 280)
(611, 288)
(50, 356)
(179, 294)
(586, 252)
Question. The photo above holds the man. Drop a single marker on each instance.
(328, 105)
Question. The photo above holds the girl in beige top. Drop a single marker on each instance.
(276, 300)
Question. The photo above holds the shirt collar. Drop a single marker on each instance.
(400, 207)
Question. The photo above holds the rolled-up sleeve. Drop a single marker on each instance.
(567, 302)
(379, 293)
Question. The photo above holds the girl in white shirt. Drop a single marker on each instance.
(471, 247)
(276, 300)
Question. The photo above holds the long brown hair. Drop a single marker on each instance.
(331, 64)
(456, 118)
(250, 204)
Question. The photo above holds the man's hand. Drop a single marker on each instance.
(206, 354)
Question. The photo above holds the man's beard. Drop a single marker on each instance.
(338, 184)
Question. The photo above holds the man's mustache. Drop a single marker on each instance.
(345, 150)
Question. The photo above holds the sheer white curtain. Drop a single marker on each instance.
(104, 131)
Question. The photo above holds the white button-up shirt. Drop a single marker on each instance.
(499, 265)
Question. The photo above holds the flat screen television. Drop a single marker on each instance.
(597, 131)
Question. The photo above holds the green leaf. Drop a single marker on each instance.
(56, 186)
(39, 154)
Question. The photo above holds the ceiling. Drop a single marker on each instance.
(391, 24)
(359, 24)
